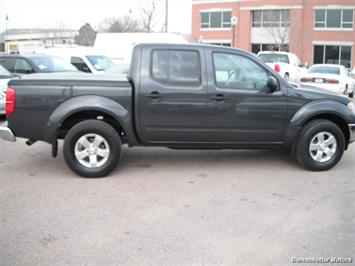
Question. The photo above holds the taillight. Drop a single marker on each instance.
(332, 81)
(277, 68)
(10, 101)
(306, 79)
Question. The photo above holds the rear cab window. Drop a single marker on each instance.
(274, 58)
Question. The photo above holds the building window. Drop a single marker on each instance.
(216, 19)
(332, 54)
(258, 47)
(333, 18)
(220, 44)
(271, 19)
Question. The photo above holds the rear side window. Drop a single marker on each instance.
(176, 67)
(8, 63)
(22, 66)
(80, 64)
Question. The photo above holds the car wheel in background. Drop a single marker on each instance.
(92, 148)
(320, 145)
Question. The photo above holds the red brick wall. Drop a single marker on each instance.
(302, 33)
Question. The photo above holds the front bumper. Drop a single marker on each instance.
(6, 133)
(352, 133)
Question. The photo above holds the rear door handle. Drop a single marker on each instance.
(155, 95)
(219, 98)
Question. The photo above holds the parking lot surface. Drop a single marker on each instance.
(163, 207)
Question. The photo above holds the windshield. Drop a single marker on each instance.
(4, 72)
(274, 58)
(325, 70)
(100, 62)
(52, 64)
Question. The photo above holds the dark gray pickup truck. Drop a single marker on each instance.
(178, 96)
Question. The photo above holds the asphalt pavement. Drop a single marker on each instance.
(169, 207)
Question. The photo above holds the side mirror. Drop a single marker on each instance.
(272, 84)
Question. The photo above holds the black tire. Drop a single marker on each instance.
(346, 89)
(310, 130)
(98, 128)
(351, 94)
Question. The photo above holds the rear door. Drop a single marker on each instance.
(241, 108)
(172, 100)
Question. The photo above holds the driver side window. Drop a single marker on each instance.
(238, 72)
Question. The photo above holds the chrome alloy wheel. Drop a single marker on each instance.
(92, 150)
(322, 147)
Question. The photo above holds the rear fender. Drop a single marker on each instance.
(89, 103)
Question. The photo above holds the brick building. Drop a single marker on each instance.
(318, 31)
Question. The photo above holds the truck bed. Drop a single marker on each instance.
(40, 96)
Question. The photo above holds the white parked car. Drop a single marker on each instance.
(286, 64)
(5, 76)
(85, 59)
(352, 73)
(332, 78)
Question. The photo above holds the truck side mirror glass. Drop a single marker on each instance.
(272, 84)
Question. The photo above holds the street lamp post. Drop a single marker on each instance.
(234, 22)
(166, 15)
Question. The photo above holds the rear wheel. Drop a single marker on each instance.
(320, 145)
(351, 94)
(92, 148)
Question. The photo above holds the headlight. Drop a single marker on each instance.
(351, 107)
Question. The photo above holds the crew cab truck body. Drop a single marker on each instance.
(178, 96)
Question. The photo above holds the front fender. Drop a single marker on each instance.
(314, 109)
(88, 103)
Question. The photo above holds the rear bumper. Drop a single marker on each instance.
(352, 132)
(6, 133)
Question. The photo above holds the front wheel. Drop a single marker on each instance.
(92, 148)
(320, 145)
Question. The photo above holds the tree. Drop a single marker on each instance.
(148, 16)
(121, 24)
(280, 36)
(280, 30)
(86, 36)
(58, 31)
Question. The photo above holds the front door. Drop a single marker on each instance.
(172, 101)
(241, 107)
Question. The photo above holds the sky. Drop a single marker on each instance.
(74, 13)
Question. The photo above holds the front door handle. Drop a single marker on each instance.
(219, 97)
(154, 95)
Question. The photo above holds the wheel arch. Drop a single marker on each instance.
(327, 110)
(86, 107)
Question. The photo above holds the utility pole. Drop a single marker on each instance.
(5, 33)
(166, 15)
